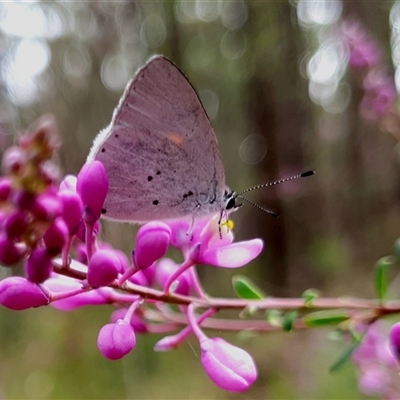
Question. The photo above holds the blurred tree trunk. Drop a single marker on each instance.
(275, 109)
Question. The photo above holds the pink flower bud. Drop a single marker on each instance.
(38, 266)
(72, 209)
(47, 207)
(68, 183)
(15, 224)
(116, 340)
(92, 186)
(10, 253)
(139, 278)
(103, 268)
(5, 188)
(152, 243)
(56, 236)
(24, 200)
(228, 366)
(17, 293)
(59, 284)
(394, 340)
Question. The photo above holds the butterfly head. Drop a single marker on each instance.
(230, 198)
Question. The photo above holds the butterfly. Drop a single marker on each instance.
(161, 153)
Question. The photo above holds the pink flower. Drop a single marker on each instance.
(213, 245)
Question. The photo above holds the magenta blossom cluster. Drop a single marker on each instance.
(365, 58)
(377, 365)
(53, 229)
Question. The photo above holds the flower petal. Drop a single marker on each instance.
(232, 256)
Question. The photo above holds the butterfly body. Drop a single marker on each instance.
(160, 151)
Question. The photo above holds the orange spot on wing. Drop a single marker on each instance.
(174, 137)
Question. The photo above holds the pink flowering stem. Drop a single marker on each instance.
(184, 333)
(193, 323)
(67, 294)
(184, 266)
(132, 308)
(170, 342)
(195, 283)
(127, 274)
(89, 239)
(65, 251)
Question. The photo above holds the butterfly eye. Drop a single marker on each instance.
(231, 203)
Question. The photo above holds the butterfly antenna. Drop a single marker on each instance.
(263, 185)
(274, 214)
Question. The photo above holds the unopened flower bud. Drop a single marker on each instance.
(116, 340)
(24, 200)
(10, 252)
(16, 224)
(152, 243)
(72, 209)
(92, 186)
(47, 207)
(38, 266)
(56, 236)
(17, 293)
(228, 366)
(103, 268)
(68, 183)
(394, 340)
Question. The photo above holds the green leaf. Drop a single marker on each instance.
(335, 335)
(248, 311)
(309, 295)
(274, 317)
(246, 289)
(323, 318)
(288, 320)
(344, 357)
(381, 275)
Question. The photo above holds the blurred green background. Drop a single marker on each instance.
(274, 80)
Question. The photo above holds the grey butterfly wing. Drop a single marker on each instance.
(160, 151)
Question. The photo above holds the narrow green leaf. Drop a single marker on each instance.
(381, 275)
(246, 289)
(344, 357)
(322, 318)
(274, 317)
(309, 295)
(288, 320)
